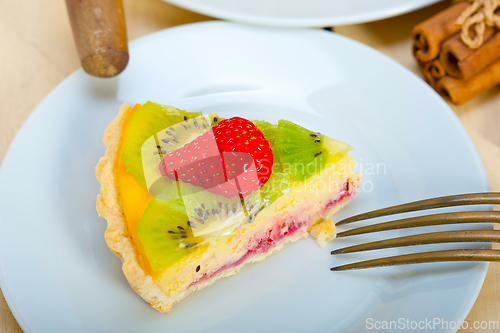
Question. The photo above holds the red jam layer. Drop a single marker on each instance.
(345, 194)
(274, 236)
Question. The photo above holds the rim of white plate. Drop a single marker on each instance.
(276, 21)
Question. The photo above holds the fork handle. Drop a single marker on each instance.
(100, 35)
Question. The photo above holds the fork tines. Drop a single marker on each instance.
(428, 238)
(453, 200)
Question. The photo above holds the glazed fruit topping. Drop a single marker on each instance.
(232, 159)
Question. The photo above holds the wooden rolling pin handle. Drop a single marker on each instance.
(100, 35)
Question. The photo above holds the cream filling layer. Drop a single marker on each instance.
(266, 239)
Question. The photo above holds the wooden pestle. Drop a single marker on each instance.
(100, 35)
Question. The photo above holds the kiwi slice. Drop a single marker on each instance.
(170, 229)
(214, 215)
(167, 141)
(165, 233)
(304, 153)
(269, 131)
(152, 132)
(277, 185)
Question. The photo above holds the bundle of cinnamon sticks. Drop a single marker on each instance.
(455, 70)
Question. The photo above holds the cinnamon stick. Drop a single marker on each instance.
(428, 35)
(462, 62)
(433, 71)
(460, 91)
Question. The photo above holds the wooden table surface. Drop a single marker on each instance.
(38, 53)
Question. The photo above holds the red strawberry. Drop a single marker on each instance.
(232, 159)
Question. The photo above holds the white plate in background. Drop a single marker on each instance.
(58, 275)
(302, 13)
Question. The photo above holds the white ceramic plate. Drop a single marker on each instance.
(58, 275)
(302, 13)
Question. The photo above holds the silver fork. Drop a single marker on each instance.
(428, 238)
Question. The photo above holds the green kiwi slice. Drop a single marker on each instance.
(165, 233)
(277, 185)
(269, 131)
(304, 153)
(167, 141)
(152, 132)
(170, 229)
(216, 216)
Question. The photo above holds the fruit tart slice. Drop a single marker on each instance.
(190, 198)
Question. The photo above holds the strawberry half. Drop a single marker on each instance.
(232, 159)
